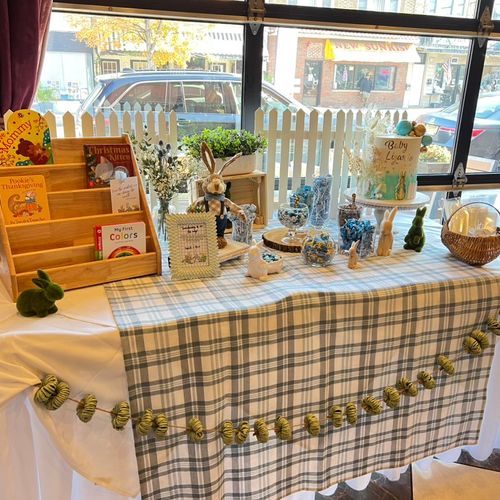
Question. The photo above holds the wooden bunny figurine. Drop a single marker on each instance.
(214, 200)
(386, 237)
(353, 255)
(257, 266)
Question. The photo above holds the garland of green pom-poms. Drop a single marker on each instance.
(52, 393)
(242, 432)
(426, 379)
(351, 412)
(494, 325)
(160, 425)
(336, 415)
(195, 430)
(407, 387)
(86, 408)
(120, 415)
(391, 397)
(261, 431)
(145, 423)
(371, 405)
(283, 429)
(312, 425)
(227, 432)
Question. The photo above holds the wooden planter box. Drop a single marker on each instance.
(64, 245)
(243, 165)
(247, 188)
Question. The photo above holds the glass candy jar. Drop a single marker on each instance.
(242, 229)
(349, 211)
(354, 230)
(293, 217)
(318, 249)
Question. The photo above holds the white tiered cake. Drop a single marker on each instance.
(390, 171)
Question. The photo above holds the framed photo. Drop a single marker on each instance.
(192, 243)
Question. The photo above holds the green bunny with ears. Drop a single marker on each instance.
(415, 239)
(40, 301)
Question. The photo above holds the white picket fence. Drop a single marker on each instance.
(300, 145)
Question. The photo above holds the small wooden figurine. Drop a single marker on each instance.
(353, 255)
(386, 237)
(415, 239)
(214, 200)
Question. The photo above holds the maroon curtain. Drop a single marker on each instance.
(24, 26)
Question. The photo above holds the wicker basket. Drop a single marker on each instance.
(474, 250)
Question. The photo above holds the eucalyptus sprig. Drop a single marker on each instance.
(166, 173)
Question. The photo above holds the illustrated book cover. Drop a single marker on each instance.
(125, 195)
(25, 140)
(106, 162)
(24, 199)
(119, 240)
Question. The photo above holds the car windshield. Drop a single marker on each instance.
(486, 107)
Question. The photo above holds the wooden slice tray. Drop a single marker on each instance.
(272, 239)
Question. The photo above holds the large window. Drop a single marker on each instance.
(412, 62)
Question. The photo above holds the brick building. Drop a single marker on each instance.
(327, 67)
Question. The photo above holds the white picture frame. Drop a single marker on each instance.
(192, 243)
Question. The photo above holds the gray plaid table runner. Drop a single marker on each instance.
(233, 348)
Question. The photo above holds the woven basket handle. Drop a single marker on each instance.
(468, 205)
(446, 226)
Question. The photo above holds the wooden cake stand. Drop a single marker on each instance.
(272, 239)
(380, 206)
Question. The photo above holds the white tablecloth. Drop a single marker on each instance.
(52, 455)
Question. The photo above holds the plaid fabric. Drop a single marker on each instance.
(234, 348)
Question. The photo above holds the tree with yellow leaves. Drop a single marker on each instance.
(164, 44)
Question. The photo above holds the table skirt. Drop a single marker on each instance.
(35, 466)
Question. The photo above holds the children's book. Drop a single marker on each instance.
(125, 195)
(106, 162)
(120, 240)
(24, 199)
(25, 140)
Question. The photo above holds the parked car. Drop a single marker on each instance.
(201, 99)
(441, 125)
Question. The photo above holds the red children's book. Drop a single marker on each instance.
(106, 162)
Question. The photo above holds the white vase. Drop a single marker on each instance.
(245, 164)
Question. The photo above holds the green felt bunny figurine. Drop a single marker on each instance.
(40, 301)
(415, 238)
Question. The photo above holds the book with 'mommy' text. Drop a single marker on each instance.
(119, 240)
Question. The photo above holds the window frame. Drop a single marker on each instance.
(108, 60)
(326, 18)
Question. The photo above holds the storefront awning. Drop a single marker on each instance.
(373, 52)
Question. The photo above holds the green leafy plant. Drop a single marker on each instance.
(437, 154)
(46, 94)
(224, 143)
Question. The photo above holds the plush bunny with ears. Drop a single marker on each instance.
(214, 200)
